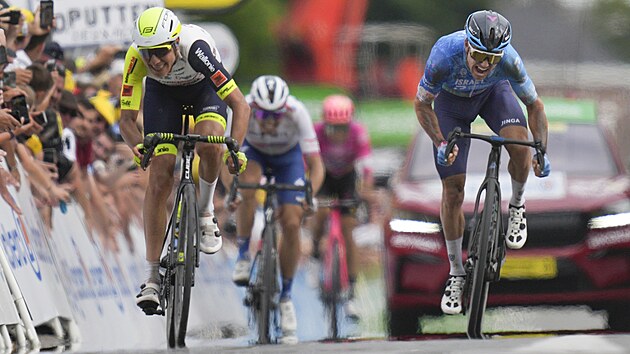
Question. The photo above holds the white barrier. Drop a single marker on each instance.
(64, 274)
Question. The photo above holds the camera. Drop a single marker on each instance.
(14, 17)
(19, 109)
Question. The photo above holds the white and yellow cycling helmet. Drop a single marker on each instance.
(156, 27)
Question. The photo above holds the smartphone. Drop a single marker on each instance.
(41, 119)
(50, 155)
(4, 59)
(19, 109)
(8, 79)
(14, 17)
(46, 13)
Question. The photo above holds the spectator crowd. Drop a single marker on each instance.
(59, 122)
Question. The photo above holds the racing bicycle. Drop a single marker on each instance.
(263, 288)
(182, 253)
(486, 246)
(335, 285)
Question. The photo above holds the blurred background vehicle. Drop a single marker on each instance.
(578, 249)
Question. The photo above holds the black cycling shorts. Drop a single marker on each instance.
(162, 107)
(340, 187)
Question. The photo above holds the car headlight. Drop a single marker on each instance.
(414, 226)
(410, 222)
(613, 215)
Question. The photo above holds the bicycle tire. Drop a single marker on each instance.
(182, 265)
(335, 295)
(266, 287)
(480, 247)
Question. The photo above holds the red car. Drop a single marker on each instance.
(578, 247)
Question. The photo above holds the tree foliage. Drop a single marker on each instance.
(613, 26)
(443, 16)
(255, 24)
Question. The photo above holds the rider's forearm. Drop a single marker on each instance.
(537, 120)
(240, 114)
(315, 170)
(128, 128)
(429, 122)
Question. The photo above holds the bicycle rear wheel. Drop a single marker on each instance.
(182, 263)
(266, 287)
(479, 249)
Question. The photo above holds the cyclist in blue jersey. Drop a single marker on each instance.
(469, 73)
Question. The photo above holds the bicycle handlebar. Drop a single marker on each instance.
(153, 139)
(338, 203)
(494, 140)
(307, 188)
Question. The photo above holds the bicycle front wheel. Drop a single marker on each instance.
(266, 288)
(182, 263)
(333, 299)
(478, 255)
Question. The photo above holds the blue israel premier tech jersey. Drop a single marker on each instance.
(446, 69)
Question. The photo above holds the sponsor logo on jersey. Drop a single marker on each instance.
(127, 90)
(509, 121)
(204, 58)
(218, 78)
(130, 68)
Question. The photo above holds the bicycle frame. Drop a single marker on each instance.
(335, 238)
(486, 247)
(182, 252)
(263, 292)
(335, 282)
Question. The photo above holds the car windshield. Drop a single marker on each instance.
(579, 150)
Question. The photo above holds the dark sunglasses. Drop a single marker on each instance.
(261, 114)
(336, 128)
(160, 52)
(480, 56)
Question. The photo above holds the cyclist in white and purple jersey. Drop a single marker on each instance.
(346, 150)
(280, 137)
(469, 73)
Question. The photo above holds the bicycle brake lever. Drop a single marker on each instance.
(452, 140)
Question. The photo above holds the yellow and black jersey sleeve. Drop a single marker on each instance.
(201, 59)
(134, 73)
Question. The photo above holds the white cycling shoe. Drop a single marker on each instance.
(288, 322)
(211, 240)
(516, 235)
(452, 298)
(242, 268)
(149, 297)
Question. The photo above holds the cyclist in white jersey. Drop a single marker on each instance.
(180, 65)
(280, 137)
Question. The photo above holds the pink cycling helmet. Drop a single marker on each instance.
(338, 109)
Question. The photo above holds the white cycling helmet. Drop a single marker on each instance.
(270, 92)
(156, 27)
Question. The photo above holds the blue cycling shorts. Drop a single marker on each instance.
(497, 106)
(287, 168)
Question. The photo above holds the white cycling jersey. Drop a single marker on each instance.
(294, 127)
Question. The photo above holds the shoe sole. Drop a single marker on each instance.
(212, 250)
(148, 307)
(240, 282)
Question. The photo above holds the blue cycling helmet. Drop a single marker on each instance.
(488, 31)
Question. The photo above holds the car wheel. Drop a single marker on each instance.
(618, 317)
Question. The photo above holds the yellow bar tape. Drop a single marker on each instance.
(165, 148)
(213, 117)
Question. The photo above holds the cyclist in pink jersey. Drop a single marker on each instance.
(345, 149)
